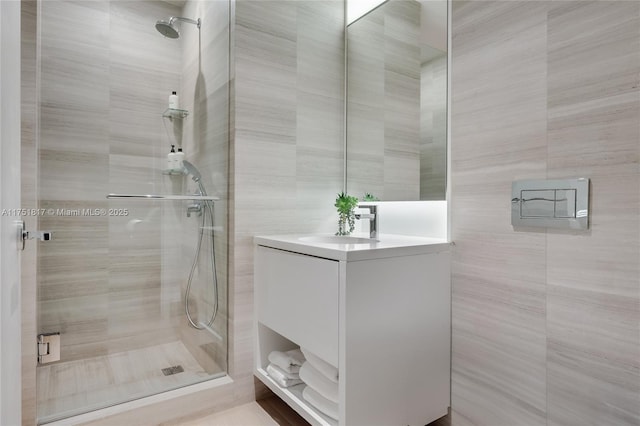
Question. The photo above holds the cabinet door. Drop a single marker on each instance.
(297, 296)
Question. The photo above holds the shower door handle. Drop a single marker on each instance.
(20, 226)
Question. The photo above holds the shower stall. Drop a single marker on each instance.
(132, 286)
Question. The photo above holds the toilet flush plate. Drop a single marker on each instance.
(552, 203)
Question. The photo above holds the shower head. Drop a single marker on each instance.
(192, 170)
(168, 28)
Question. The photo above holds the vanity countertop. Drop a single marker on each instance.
(386, 245)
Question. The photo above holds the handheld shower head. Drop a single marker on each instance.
(192, 170)
(168, 28)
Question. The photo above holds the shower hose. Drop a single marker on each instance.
(208, 213)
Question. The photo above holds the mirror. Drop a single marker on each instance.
(397, 101)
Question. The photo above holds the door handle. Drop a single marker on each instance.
(24, 235)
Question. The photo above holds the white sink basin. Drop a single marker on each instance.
(337, 239)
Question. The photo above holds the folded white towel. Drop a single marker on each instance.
(321, 403)
(319, 382)
(289, 361)
(322, 366)
(281, 377)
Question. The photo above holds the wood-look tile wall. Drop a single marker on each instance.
(288, 161)
(546, 323)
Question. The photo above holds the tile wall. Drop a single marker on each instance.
(288, 161)
(546, 326)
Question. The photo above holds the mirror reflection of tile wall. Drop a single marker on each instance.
(397, 106)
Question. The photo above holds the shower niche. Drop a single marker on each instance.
(138, 292)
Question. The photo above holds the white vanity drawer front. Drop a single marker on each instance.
(297, 296)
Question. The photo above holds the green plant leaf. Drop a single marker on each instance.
(345, 204)
(370, 197)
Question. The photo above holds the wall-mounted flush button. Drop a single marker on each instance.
(552, 203)
(537, 203)
(565, 203)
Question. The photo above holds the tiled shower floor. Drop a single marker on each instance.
(70, 388)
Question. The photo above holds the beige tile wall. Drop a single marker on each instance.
(288, 134)
(546, 324)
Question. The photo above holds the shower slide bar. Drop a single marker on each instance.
(163, 197)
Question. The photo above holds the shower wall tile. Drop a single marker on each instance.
(73, 278)
(579, 291)
(136, 125)
(81, 321)
(68, 175)
(136, 174)
(69, 130)
(141, 80)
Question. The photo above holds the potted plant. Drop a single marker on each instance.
(346, 204)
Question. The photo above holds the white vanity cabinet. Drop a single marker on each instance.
(378, 312)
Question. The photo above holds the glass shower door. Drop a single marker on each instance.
(114, 281)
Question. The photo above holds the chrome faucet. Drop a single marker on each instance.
(372, 216)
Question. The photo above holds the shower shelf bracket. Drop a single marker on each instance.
(172, 172)
(175, 113)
